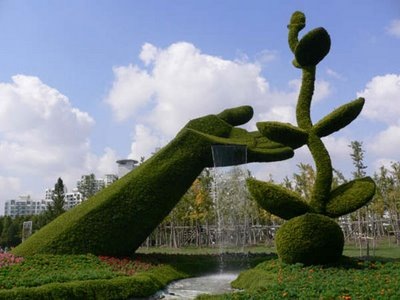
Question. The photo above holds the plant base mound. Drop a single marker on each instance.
(310, 239)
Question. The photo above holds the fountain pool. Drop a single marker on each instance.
(190, 288)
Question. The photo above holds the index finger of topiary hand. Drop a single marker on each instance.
(268, 154)
(237, 116)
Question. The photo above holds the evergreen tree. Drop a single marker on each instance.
(338, 178)
(6, 223)
(358, 159)
(362, 214)
(304, 181)
(56, 208)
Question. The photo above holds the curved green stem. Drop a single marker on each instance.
(303, 114)
(323, 179)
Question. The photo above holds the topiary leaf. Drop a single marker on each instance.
(283, 133)
(277, 200)
(350, 196)
(339, 118)
(313, 47)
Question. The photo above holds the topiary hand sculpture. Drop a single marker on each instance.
(118, 219)
(311, 236)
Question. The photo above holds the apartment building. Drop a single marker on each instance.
(24, 206)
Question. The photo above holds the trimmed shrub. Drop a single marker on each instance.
(310, 239)
(123, 287)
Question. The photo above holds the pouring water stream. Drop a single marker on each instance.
(217, 283)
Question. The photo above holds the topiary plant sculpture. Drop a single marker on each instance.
(311, 236)
(118, 219)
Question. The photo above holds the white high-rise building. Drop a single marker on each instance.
(49, 194)
(90, 184)
(109, 179)
(24, 206)
(72, 199)
(125, 166)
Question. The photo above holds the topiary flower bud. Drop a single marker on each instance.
(313, 47)
(297, 23)
(298, 20)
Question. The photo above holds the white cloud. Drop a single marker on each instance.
(149, 53)
(42, 136)
(280, 169)
(145, 142)
(131, 91)
(179, 83)
(107, 162)
(394, 28)
(382, 96)
(385, 162)
(266, 56)
(387, 143)
(334, 74)
(10, 184)
(285, 114)
(339, 151)
(322, 89)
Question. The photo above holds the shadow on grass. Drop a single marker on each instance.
(360, 263)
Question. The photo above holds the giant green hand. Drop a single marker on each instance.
(219, 129)
(118, 219)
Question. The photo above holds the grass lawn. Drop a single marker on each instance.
(382, 249)
(349, 279)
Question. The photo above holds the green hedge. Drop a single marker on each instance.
(124, 287)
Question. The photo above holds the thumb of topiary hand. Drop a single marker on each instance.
(237, 116)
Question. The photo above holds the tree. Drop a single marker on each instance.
(56, 208)
(12, 231)
(304, 181)
(6, 223)
(338, 178)
(358, 159)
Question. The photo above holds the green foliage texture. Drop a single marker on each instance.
(308, 52)
(122, 287)
(346, 279)
(118, 219)
(310, 239)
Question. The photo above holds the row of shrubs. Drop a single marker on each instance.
(123, 287)
(82, 277)
(91, 277)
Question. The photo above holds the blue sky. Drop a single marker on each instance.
(83, 83)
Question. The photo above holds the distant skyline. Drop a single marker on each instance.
(85, 83)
